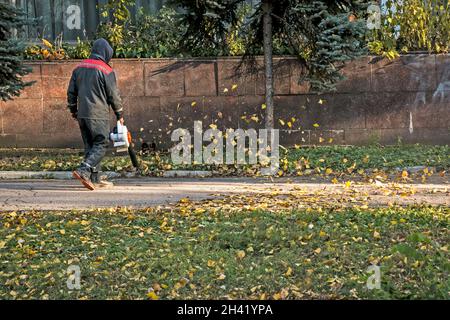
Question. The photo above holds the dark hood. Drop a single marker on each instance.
(102, 50)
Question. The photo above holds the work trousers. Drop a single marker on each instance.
(95, 134)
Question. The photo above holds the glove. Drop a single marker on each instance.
(119, 115)
(73, 111)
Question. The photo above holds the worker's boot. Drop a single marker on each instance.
(84, 175)
(98, 182)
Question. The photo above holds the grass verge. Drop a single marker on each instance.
(323, 160)
(200, 253)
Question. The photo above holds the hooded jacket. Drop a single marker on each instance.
(93, 87)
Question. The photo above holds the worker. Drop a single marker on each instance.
(92, 91)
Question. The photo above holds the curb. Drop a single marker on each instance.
(187, 174)
(57, 175)
(67, 175)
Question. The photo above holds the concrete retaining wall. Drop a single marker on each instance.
(407, 99)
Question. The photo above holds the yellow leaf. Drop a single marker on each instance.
(240, 254)
(329, 171)
(288, 272)
(404, 174)
(321, 139)
(62, 231)
(213, 126)
(199, 210)
(335, 181)
(281, 122)
(47, 43)
(234, 87)
(321, 101)
(318, 250)
(376, 235)
(225, 90)
(152, 295)
(263, 106)
(316, 125)
(211, 263)
(194, 103)
(348, 184)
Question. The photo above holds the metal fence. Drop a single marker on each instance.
(54, 14)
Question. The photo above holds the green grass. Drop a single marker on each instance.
(370, 157)
(338, 159)
(242, 254)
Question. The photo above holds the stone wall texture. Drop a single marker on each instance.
(382, 101)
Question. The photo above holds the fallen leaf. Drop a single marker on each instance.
(152, 295)
(240, 254)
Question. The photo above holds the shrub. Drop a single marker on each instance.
(114, 29)
(152, 36)
(81, 50)
(46, 51)
(12, 69)
(412, 25)
(408, 25)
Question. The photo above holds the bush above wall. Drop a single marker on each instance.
(412, 25)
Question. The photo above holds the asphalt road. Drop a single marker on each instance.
(145, 192)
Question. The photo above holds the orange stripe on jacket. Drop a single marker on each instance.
(96, 64)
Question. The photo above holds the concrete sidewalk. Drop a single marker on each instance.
(145, 192)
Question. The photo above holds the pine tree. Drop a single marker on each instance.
(322, 34)
(11, 52)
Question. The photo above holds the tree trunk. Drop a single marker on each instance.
(53, 19)
(14, 30)
(268, 61)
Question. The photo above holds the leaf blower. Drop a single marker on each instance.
(121, 139)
